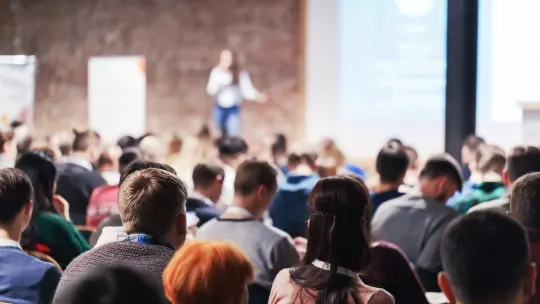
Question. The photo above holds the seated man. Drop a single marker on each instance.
(152, 207)
(391, 164)
(490, 162)
(23, 278)
(415, 222)
(486, 260)
(289, 211)
(521, 161)
(207, 187)
(269, 249)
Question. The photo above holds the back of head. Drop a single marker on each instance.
(15, 193)
(443, 165)
(205, 175)
(392, 163)
(208, 262)
(84, 140)
(470, 146)
(525, 200)
(336, 235)
(150, 201)
(112, 285)
(251, 175)
(174, 142)
(140, 164)
(231, 146)
(41, 170)
(109, 157)
(153, 148)
(6, 137)
(522, 160)
(412, 154)
(127, 141)
(490, 158)
(129, 155)
(485, 257)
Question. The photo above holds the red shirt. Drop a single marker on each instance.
(103, 202)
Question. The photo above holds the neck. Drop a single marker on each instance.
(205, 193)
(80, 154)
(10, 233)
(248, 205)
(384, 187)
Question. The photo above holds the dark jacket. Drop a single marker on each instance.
(25, 279)
(75, 184)
(289, 211)
(149, 259)
(203, 211)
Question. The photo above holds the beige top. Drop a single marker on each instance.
(284, 291)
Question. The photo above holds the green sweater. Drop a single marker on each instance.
(51, 230)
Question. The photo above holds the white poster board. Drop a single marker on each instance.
(17, 86)
(117, 96)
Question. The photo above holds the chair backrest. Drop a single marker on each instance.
(43, 257)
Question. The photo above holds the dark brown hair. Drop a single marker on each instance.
(525, 200)
(252, 174)
(205, 174)
(522, 160)
(337, 205)
(15, 193)
(149, 201)
(83, 140)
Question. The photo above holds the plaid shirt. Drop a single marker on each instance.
(142, 238)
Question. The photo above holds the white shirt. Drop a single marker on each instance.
(226, 93)
(9, 243)
(79, 161)
(206, 200)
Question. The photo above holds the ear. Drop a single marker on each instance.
(506, 178)
(181, 225)
(28, 208)
(529, 287)
(446, 288)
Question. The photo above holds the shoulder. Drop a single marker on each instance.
(282, 287)
(275, 235)
(54, 219)
(379, 296)
(501, 204)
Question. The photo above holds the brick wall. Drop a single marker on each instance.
(180, 39)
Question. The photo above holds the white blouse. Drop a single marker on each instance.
(225, 92)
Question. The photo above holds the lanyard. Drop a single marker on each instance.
(341, 270)
(238, 211)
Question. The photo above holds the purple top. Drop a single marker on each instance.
(391, 270)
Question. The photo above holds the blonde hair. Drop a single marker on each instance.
(207, 272)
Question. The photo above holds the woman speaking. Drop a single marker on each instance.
(229, 85)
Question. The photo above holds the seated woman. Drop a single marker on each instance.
(208, 272)
(337, 250)
(49, 232)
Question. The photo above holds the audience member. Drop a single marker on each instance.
(525, 207)
(490, 163)
(279, 156)
(112, 285)
(77, 178)
(107, 164)
(152, 207)
(8, 149)
(50, 230)
(470, 147)
(126, 142)
(195, 150)
(23, 278)
(208, 184)
(174, 149)
(411, 178)
(153, 148)
(225, 271)
(337, 250)
(289, 210)
(486, 260)
(269, 249)
(114, 220)
(104, 199)
(391, 165)
(521, 161)
(415, 222)
(232, 152)
(64, 142)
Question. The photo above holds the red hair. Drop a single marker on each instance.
(207, 272)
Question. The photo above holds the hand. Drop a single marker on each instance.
(61, 206)
(262, 98)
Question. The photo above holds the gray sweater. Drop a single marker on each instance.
(268, 248)
(150, 259)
